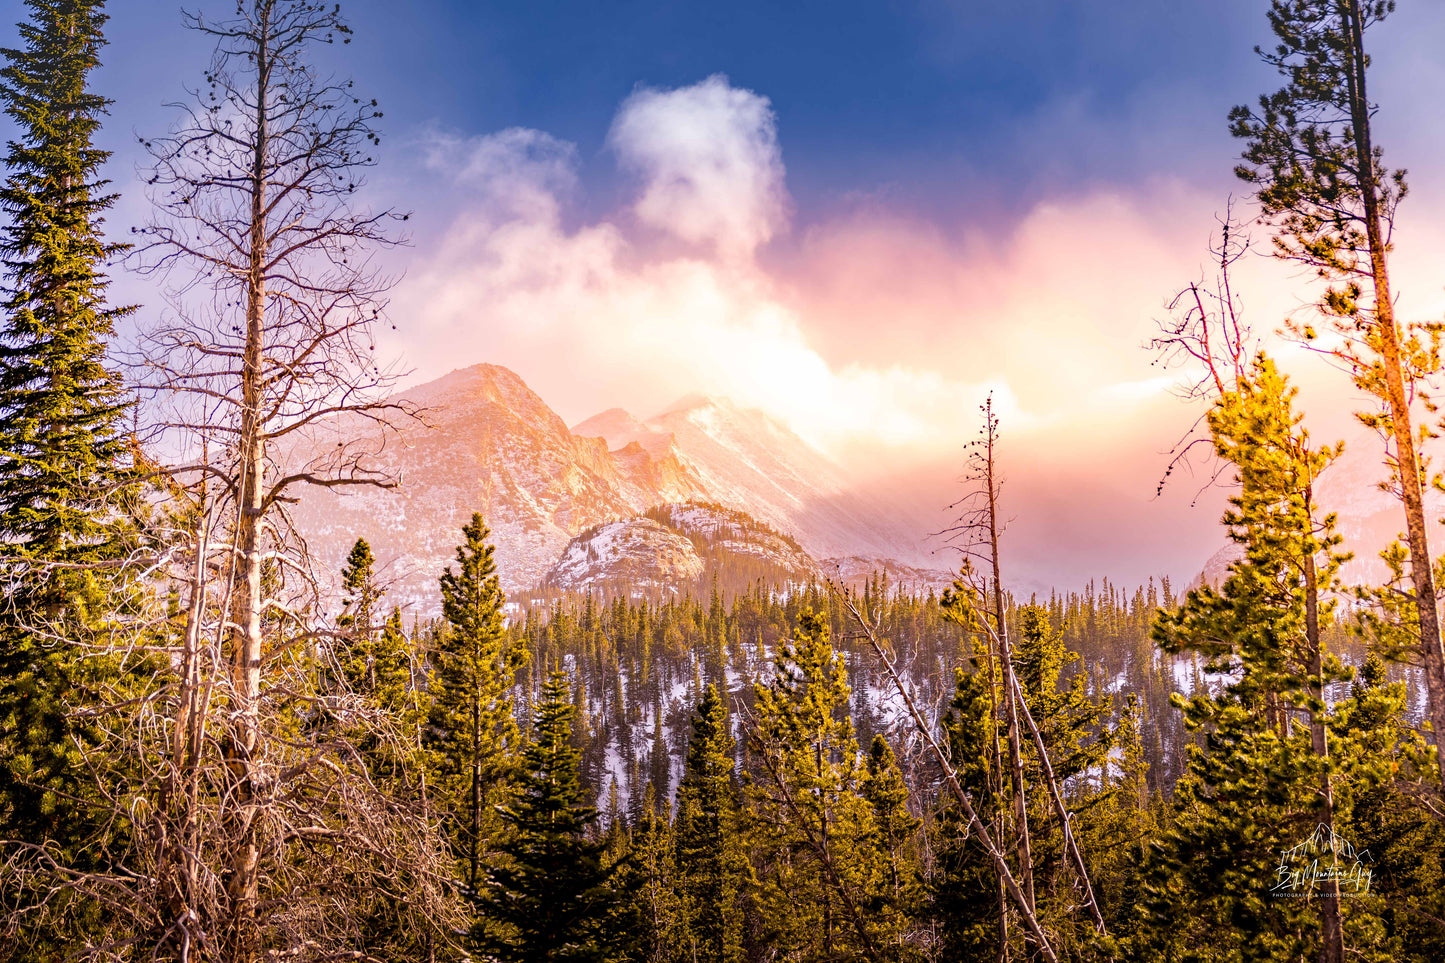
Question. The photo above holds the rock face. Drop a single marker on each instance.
(551, 495)
(750, 461)
(675, 547)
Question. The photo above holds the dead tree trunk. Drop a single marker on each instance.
(275, 298)
(1005, 654)
(955, 788)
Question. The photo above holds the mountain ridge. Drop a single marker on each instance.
(492, 445)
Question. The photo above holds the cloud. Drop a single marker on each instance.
(879, 333)
(517, 172)
(873, 333)
(710, 164)
(592, 316)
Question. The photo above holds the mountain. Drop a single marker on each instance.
(490, 444)
(680, 546)
(750, 461)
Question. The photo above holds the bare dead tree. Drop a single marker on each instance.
(342, 856)
(1205, 332)
(257, 828)
(980, 603)
(976, 534)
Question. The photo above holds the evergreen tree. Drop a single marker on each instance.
(1321, 180)
(1394, 919)
(712, 864)
(360, 596)
(1263, 777)
(1117, 831)
(900, 897)
(388, 698)
(649, 878)
(1071, 725)
(553, 898)
(821, 868)
(62, 442)
(355, 652)
(380, 692)
(966, 898)
(1067, 716)
(472, 729)
(63, 464)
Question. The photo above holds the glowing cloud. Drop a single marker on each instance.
(709, 159)
(619, 325)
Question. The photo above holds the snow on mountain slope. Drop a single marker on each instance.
(677, 547)
(640, 553)
(491, 445)
(752, 462)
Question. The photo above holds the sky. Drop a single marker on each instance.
(863, 217)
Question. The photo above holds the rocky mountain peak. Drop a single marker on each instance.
(494, 446)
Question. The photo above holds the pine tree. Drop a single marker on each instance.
(63, 464)
(360, 595)
(900, 896)
(649, 878)
(1264, 775)
(1071, 726)
(965, 896)
(1394, 920)
(821, 868)
(1067, 717)
(473, 731)
(1118, 829)
(553, 899)
(380, 690)
(354, 652)
(1322, 182)
(711, 862)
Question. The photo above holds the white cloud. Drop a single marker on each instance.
(709, 159)
(592, 316)
(518, 171)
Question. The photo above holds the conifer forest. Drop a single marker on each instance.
(285, 677)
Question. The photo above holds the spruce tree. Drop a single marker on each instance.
(62, 443)
(552, 899)
(821, 865)
(63, 464)
(1265, 773)
(1321, 181)
(473, 732)
(711, 861)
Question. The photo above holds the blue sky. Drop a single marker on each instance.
(860, 216)
(929, 102)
